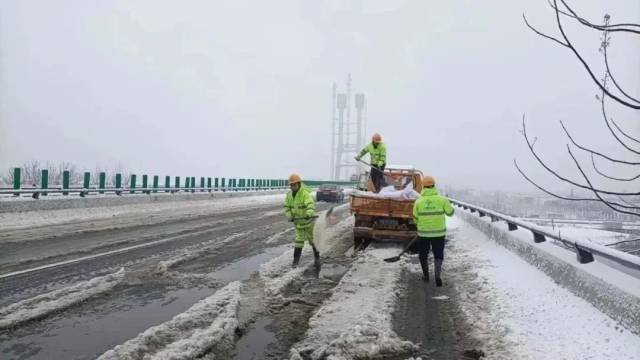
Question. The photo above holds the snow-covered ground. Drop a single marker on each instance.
(131, 215)
(57, 300)
(586, 232)
(522, 313)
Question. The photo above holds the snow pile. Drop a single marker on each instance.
(45, 304)
(356, 322)
(277, 273)
(202, 249)
(211, 322)
(532, 319)
(390, 192)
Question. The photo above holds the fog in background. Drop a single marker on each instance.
(243, 88)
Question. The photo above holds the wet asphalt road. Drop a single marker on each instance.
(146, 297)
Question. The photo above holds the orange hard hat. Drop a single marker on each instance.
(294, 178)
(428, 181)
(376, 138)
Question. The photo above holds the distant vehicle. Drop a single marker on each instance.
(330, 193)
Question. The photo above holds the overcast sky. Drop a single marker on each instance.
(243, 88)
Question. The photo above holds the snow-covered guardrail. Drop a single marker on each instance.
(585, 249)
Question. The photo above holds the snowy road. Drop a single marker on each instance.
(177, 264)
(221, 286)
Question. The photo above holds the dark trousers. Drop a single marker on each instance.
(437, 246)
(435, 243)
(377, 177)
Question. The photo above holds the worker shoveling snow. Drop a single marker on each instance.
(390, 192)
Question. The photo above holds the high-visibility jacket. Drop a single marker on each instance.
(378, 154)
(300, 207)
(429, 213)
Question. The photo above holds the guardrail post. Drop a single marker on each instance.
(156, 180)
(17, 181)
(177, 184)
(223, 184)
(118, 184)
(584, 257)
(186, 183)
(512, 226)
(66, 176)
(481, 213)
(216, 184)
(538, 238)
(145, 184)
(44, 181)
(86, 181)
(201, 184)
(167, 183)
(102, 182)
(193, 184)
(209, 184)
(132, 184)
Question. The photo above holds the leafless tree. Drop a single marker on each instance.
(610, 90)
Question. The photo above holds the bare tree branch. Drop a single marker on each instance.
(595, 192)
(542, 34)
(605, 45)
(593, 162)
(564, 197)
(544, 165)
(624, 133)
(584, 63)
(610, 27)
(593, 152)
(606, 120)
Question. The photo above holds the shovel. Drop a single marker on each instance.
(406, 248)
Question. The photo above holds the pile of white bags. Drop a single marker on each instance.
(390, 192)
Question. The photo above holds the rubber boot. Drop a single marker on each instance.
(425, 270)
(316, 255)
(296, 256)
(438, 268)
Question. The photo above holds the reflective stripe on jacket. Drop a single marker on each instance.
(300, 207)
(429, 213)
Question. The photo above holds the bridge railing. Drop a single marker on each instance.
(585, 249)
(148, 184)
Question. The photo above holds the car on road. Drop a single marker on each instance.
(330, 193)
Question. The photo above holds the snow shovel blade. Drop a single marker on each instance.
(392, 259)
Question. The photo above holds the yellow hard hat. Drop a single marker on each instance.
(428, 181)
(294, 178)
(376, 138)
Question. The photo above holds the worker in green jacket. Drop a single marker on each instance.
(429, 213)
(378, 152)
(300, 208)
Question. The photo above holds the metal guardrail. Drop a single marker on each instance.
(150, 184)
(585, 249)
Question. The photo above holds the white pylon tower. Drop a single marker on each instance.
(347, 134)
